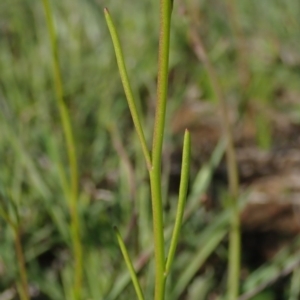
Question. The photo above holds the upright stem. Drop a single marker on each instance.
(234, 235)
(154, 162)
(155, 172)
(71, 151)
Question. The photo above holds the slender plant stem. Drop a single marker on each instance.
(71, 150)
(127, 86)
(129, 264)
(155, 173)
(200, 185)
(154, 162)
(159, 247)
(185, 169)
(162, 81)
(234, 234)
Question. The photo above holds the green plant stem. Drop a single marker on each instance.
(71, 151)
(185, 169)
(154, 162)
(234, 254)
(129, 264)
(127, 86)
(234, 234)
(199, 187)
(162, 81)
(159, 247)
(155, 173)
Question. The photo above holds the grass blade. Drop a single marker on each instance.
(129, 264)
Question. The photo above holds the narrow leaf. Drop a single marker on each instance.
(129, 264)
(185, 169)
(127, 86)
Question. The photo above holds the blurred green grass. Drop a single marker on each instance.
(32, 154)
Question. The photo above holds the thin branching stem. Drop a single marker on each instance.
(154, 162)
(234, 235)
(127, 87)
(129, 264)
(162, 81)
(158, 134)
(71, 151)
(185, 169)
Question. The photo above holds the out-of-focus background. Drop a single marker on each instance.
(254, 50)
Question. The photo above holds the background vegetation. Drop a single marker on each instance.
(255, 51)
